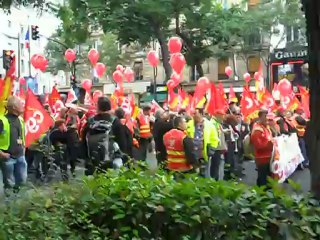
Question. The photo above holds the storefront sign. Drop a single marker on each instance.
(285, 55)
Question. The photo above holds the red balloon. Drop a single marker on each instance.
(203, 84)
(38, 61)
(96, 95)
(171, 84)
(86, 84)
(284, 87)
(22, 81)
(93, 56)
(256, 76)
(70, 55)
(176, 78)
(43, 65)
(128, 74)
(153, 58)
(120, 68)
(247, 77)
(175, 45)
(228, 70)
(117, 76)
(177, 62)
(100, 69)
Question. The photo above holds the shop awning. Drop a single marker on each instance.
(161, 97)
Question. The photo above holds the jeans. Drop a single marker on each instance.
(14, 172)
(263, 174)
(303, 149)
(215, 163)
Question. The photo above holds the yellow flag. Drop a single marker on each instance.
(5, 94)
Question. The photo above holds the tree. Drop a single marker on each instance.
(312, 10)
(245, 31)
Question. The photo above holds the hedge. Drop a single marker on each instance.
(137, 204)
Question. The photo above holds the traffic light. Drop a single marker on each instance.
(34, 32)
(7, 59)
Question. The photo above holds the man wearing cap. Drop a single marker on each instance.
(261, 138)
(12, 145)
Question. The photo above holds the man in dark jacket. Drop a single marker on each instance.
(119, 133)
(161, 126)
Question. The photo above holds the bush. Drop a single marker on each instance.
(136, 204)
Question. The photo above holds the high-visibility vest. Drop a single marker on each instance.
(145, 131)
(5, 135)
(173, 141)
(300, 128)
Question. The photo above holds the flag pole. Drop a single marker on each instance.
(29, 51)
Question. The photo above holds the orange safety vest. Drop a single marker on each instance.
(130, 126)
(173, 141)
(300, 129)
(145, 131)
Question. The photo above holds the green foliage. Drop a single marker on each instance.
(135, 204)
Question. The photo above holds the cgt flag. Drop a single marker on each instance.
(37, 120)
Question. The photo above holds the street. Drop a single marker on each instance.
(300, 177)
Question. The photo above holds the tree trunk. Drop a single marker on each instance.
(165, 55)
(312, 10)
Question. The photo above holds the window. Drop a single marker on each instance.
(253, 64)
(138, 70)
(22, 49)
(293, 34)
(22, 67)
(22, 30)
(222, 64)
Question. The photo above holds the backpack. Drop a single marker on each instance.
(102, 149)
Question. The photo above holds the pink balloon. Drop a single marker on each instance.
(70, 55)
(228, 70)
(247, 77)
(175, 45)
(117, 76)
(93, 56)
(87, 84)
(203, 84)
(120, 68)
(22, 81)
(128, 74)
(153, 58)
(284, 87)
(176, 78)
(96, 95)
(100, 69)
(177, 62)
(171, 84)
(256, 76)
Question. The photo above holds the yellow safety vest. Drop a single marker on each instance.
(5, 135)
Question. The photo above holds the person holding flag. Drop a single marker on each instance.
(12, 145)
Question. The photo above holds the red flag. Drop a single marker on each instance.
(54, 97)
(36, 118)
(211, 104)
(232, 95)
(71, 97)
(305, 100)
(155, 106)
(268, 101)
(249, 106)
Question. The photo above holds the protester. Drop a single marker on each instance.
(205, 137)
(181, 156)
(127, 126)
(261, 138)
(12, 145)
(161, 126)
(144, 135)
